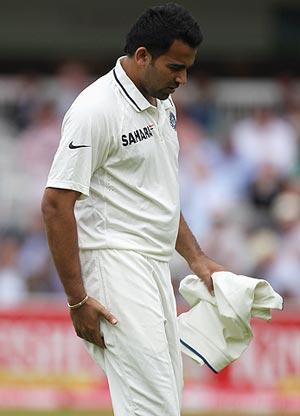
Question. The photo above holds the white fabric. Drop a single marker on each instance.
(142, 359)
(216, 330)
(128, 174)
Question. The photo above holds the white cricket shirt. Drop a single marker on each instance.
(121, 153)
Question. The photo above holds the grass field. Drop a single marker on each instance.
(108, 413)
(99, 413)
(76, 413)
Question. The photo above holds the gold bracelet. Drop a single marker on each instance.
(77, 305)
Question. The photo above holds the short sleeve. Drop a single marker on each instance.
(83, 148)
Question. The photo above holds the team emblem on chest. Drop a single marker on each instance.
(172, 120)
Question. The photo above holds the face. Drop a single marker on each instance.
(161, 76)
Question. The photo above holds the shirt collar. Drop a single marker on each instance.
(131, 92)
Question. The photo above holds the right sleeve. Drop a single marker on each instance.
(74, 166)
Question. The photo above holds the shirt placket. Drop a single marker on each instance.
(158, 117)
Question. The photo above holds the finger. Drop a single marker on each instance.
(90, 337)
(98, 340)
(209, 285)
(108, 315)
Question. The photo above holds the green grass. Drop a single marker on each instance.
(84, 413)
(87, 413)
(107, 413)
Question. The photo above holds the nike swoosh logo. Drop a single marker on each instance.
(72, 146)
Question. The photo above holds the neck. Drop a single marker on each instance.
(131, 71)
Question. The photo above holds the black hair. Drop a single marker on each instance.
(158, 27)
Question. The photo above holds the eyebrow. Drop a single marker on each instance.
(177, 66)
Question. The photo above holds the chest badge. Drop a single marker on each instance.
(172, 120)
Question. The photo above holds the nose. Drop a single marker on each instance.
(181, 77)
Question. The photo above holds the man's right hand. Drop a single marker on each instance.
(86, 321)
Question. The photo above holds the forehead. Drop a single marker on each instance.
(179, 53)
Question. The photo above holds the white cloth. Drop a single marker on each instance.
(121, 153)
(216, 330)
(142, 358)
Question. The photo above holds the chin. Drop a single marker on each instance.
(162, 95)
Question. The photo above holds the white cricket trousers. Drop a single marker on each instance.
(142, 358)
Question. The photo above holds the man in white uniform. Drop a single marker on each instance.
(112, 214)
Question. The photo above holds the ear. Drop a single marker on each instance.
(142, 57)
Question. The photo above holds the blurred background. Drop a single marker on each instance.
(239, 130)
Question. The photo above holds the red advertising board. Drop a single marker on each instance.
(44, 365)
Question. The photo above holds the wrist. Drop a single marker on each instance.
(76, 298)
(78, 304)
(196, 260)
